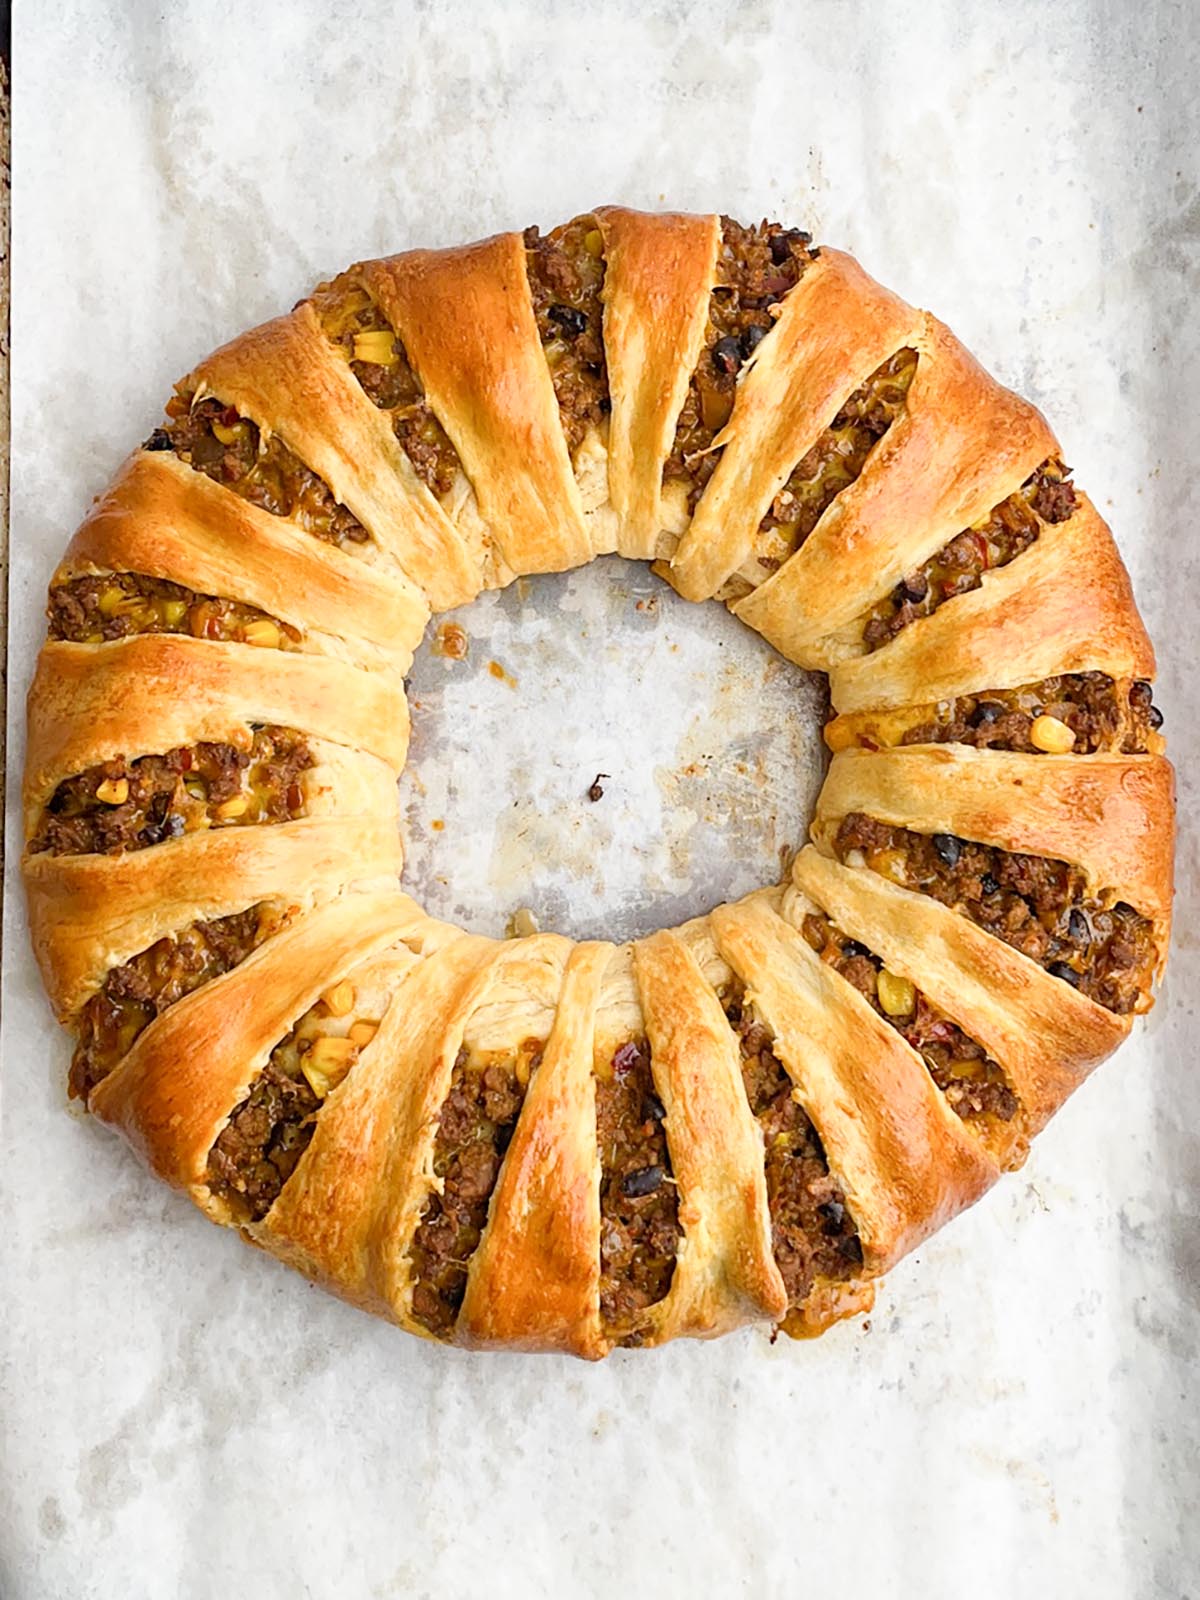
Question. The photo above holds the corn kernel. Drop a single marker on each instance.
(896, 994)
(361, 1034)
(327, 1063)
(1051, 735)
(173, 612)
(339, 1001)
(264, 633)
(109, 601)
(317, 1081)
(375, 346)
(593, 242)
(236, 807)
(113, 791)
(228, 435)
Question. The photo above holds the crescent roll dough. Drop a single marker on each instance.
(530, 1143)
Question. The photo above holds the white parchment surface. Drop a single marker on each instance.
(181, 1418)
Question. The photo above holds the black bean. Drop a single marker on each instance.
(915, 586)
(948, 848)
(833, 1213)
(1154, 717)
(853, 948)
(653, 1109)
(781, 244)
(988, 884)
(849, 1247)
(751, 339)
(646, 1180)
(727, 355)
(984, 714)
(160, 827)
(160, 439)
(1140, 694)
(1077, 927)
(572, 321)
(1060, 969)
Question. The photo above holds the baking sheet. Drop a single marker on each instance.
(182, 1418)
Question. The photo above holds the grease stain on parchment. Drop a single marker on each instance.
(709, 741)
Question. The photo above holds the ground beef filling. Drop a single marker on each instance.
(115, 605)
(1010, 528)
(129, 805)
(1101, 714)
(134, 994)
(566, 277)
(835, 461)
(474, 1130)
(974, 1084)
(214, 439)
(1039, 906)
(812, 1234)
(258, 1149)
(380, 362)
(755, 269)
(639, 1204)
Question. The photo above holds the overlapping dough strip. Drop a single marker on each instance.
(288, 380)
(836, 327)
(903, 1158)
(1110, 814)
(173, 1092)
(1065, 605)
(661, 267)
(962, 444)
(154, 692)
(1045, 1035)
(88, 914)
(466, 319)
(161, 518)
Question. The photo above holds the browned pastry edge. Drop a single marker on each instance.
(154, 692)
(962, 445)
(661, 267)
(285, 375)
(1111, 814)
(466, 318)
(161, 518)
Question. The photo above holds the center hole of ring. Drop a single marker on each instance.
(705, 743)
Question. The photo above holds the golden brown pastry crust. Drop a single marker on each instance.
(1047, 1035)
(659, 275)
(534, 1282)
(837, 325)
(161, 518)
(349, 1213)
(173, 1093)
(1065, 605)
(153, 692)
(902, 1157)
(1113, 815)
(288, 379)
(466, 319)
(90, 913)
(962, 444)
(725, 1273)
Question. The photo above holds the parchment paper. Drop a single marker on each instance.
(181, 1418)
